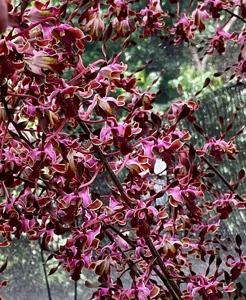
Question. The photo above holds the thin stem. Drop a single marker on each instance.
(235, 15)
(170, 284)
(10, 119)
(45, 272)
(128, 269)
(107, 167)
(76, 281)
(94, 121)
(188, 7)
(74, 13)
(31, 27)
(130, 263)
(220, 176)
(75, 290)
(22, 96)
(217, 172)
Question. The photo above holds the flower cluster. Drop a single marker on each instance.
(62, 127)
(188, 26)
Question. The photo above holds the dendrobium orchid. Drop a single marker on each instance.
(67, 128)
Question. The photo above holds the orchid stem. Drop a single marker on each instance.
(171, 286)
(45, 272)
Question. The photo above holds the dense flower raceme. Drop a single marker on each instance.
(60, 132)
